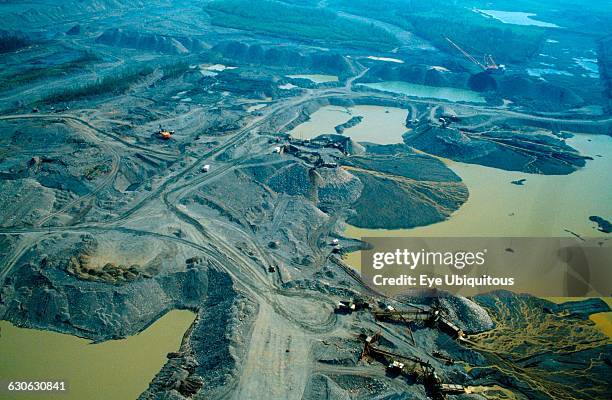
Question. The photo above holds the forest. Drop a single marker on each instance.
(298, 22)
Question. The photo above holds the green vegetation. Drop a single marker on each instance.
(176, 70)
(477, 34)
(590, 17)
(298, 22)
(116, 84)
(33, 74)
(474, 32)
(112, 84)
(97, 170)
(10, 43)
(605, 68)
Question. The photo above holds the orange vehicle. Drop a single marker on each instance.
(164, 133)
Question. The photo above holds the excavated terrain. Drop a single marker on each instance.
(105, 225)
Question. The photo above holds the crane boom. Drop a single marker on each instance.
(490, 61)
(466, 54)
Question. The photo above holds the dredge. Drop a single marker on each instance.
(488, 65)
(409, 367)
(435, 316)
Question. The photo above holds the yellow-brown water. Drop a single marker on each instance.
(116, 369)
(603, 320)
(492, 392)
(545, 206)
(384, 125)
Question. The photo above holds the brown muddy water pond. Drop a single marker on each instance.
(383, 125)
(545, 206)
(115, 369)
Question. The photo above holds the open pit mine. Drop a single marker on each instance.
(185, 187)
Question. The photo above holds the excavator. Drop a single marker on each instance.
(164, 133)
(488, 64)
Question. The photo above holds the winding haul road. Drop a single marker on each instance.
(277, 326)
(176, 186)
